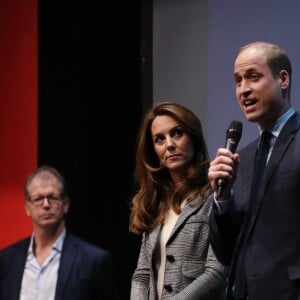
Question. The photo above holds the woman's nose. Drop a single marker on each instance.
(170, 143)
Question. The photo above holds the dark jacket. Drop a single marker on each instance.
(86, 272)
(272, 257)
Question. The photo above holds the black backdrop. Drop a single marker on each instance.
(94, 81)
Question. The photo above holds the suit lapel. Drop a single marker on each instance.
(67, 260)
(18, 264)
(283, 141)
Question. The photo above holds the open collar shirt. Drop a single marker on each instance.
(39, 282)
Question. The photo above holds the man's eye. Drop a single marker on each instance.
(38, 199)
(237, 80)
(254, 77)
(49, 197)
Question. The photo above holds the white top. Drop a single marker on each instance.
(160, 251)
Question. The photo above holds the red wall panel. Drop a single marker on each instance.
(18, 113)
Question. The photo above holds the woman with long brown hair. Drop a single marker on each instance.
(171, 209)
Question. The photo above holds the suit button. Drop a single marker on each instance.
(168, 288)
(170, 258)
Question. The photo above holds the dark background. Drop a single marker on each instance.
(94, 83)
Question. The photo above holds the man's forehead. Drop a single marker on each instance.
(246, 63)
(248, 66)
(44, 178)
(251, 55)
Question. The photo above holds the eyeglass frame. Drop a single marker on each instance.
(39, 201)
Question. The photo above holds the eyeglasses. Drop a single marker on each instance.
(39, 201)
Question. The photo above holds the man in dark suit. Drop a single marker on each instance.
(53, 263)
(258, 232)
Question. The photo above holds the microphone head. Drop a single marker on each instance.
(234, 131)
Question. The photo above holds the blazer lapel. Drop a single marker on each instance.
(282, 143)
(153, 237)
(188, 209)
(18, 264)
(67, 260)
(186, 212)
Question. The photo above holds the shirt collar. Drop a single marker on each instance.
(56, 246)
(280, 122)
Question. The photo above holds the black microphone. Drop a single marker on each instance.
(233, 136)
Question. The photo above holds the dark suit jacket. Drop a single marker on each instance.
(272, 258)
(86, 272)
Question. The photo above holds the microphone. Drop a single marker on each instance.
(233, 136)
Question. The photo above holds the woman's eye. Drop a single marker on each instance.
(178, 132)
(158, 139)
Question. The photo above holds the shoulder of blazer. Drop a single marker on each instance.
(75, 243)
(292, 124)
(13, 259)
(204, 204)
(18, 247)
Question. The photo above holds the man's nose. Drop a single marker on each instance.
(245, 88)
(47, 200)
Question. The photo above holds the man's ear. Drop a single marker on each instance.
(285, 79)
(66, 204)
(27, 210)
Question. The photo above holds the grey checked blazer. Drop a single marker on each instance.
(192, 271)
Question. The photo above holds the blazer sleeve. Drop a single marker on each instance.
(140, 281)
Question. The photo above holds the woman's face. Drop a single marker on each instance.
(172, 145)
